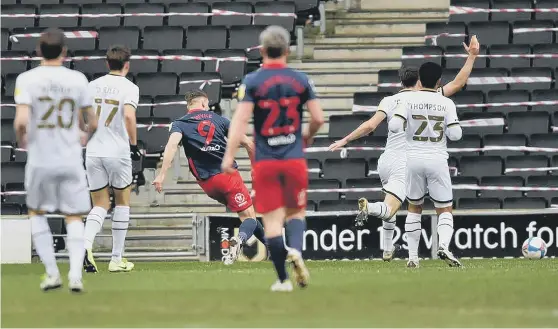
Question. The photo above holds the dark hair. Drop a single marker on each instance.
(408, 76)
(429, 74)
(51, 43)
(192, 95)
(117, 56)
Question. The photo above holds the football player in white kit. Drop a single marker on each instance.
(109, 156)
(429, 118)
(392, 163)
(50, 101)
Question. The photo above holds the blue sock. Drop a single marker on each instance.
(247, 228)
(278, 256)
(259, 232)
(294, 230)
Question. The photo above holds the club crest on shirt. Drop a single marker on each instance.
(240, 199)
(241, 92)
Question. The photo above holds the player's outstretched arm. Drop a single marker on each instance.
(168, 156)
(461, 78)
(20, 124)
(316, 120)
(237, 132)
(364, 129)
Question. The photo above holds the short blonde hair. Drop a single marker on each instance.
(275, 40)
(193, 95)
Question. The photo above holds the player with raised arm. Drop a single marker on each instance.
(429, 118)
(109, 157)
(275, 95)
(203, 134)
(392, 163)
(50, 101)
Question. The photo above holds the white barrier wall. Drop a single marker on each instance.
(16, 241)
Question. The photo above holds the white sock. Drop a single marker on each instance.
(120, 222)
(379, 209)
(445, 229)
(389, 229)
(44, 245)
(93, 225)
(75, 247)
(413, 229)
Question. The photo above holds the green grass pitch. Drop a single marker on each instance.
(487, 293)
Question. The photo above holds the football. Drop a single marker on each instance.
(534, 248)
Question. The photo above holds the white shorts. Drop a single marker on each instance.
(432, 176)
(104, 172)
(57, 189)
(391, 169)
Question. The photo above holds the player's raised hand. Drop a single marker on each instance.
(158, 183)
(474, 47)
(228, 165)
(337, 145)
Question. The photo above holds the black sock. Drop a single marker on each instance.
(259, 232)
(278, 256)
(247, 228)
(294, 230)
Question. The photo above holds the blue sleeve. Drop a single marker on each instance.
(310, 87)
(175, 127)
(227, 125)
(245, 90)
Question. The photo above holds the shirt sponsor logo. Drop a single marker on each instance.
(240, 199)
(281, 140)
(211, 148)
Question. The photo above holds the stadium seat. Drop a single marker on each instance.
(28, 45)
(527, 161)
(231, 71)
(525, 203)
(184, 21)
(127, 36)
(213, 89)
(490, 33)
(422, 50)
(481, 16)
(101, 8)
(488, 73)
(58, 22)
(10, 209)
(6, 154)
(341, 125)
(343, 169)
(371, 182)
(206, 37)
(182, 66)
(15, 187)
(8, 112)
(542, 181)
(209, 2)
(20, 156)
(127, 1)
(514, 181)
(538, 72)
(7, 132)
(9, 84)
(545, 49)
(543, 140)
(452, 28)
(311, 206)
(4, 39)
(458, 180)
(532, 38)
(528, 122)
(458, 62)
(84, 2)
(467, 141)
(369, 98)
(511, 16)
(171, 112)
(504, 140)
(91, 66)
(506, 96)
(314, 165)
(323, 184)
(144, 112)
(155, 139)
(12, 172)
(475, 166)
(246, 38)
(19, 22)
(370, 141)
(155, 84)
(232, 20)
(13, 67)
(143, 21)
(336, 205)
(468, 97)
(474, 203)
(275, 7)
(507, 63)
(163, 37)
(253, 2)
(549, 15)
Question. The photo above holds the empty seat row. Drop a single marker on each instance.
(194, 14)
(504, 16)
(161, 38)
(492, 33)
(444, 58)
(231, 70)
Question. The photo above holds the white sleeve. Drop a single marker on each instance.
(132, 97)
(22, 94)
(86, 95)
(396, 124)
(453, 128)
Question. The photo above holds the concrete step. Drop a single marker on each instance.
(380, 29)
(336, 53)
(154, 236)
(366, 41)
(352, 78)
(343, 66)
(208, 208)
(404, 5)
(335, 6)
(335, 103)
(399, 16)
(344, 90)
